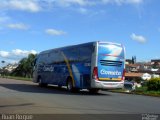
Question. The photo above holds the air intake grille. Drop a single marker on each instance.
(111, 63)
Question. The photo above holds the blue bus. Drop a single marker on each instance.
(93, 66)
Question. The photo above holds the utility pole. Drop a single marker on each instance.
(3, 71)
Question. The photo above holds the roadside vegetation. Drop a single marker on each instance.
(17, 78)
(150, 88)
(144, 91)
(23, 71)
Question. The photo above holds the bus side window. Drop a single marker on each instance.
(85, 52)
(55, 57)
(42, 60)
(71, 54)
(93, 49)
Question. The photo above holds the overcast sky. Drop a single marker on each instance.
(31, 26)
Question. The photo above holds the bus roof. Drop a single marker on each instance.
(109, 43)
(82, 44)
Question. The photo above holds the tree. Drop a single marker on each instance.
(3, 61)
(25, 68)
(29, 63)
(3, 70)
(133, 59)
(155, 65)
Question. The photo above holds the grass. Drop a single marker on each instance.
(139, 91)
(149, 93)
(118, 90)
(18, 78)
(144, 91)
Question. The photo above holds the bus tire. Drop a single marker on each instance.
(93, 90)
(41, 84)
(70, 85)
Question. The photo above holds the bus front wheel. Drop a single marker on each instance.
(41, 84)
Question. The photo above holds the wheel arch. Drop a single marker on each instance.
(72, 79)
(39, 76)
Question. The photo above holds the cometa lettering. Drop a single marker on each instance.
(110, 72)
(48, 68)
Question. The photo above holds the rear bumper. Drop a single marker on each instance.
(108, 84)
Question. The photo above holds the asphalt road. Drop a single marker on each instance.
(26, 97)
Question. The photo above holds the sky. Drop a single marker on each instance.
(31, 26)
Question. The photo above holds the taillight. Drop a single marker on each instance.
(123, 75)
(95, 73)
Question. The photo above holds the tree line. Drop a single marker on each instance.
(24, 68)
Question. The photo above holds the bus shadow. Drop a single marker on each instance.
(17, 105)
(32, 88)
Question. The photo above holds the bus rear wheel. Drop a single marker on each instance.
(70, 85)
(93, 90)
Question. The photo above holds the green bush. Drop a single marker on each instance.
(154, 84)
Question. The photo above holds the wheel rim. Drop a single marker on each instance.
(69, 86)
(40, 80)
